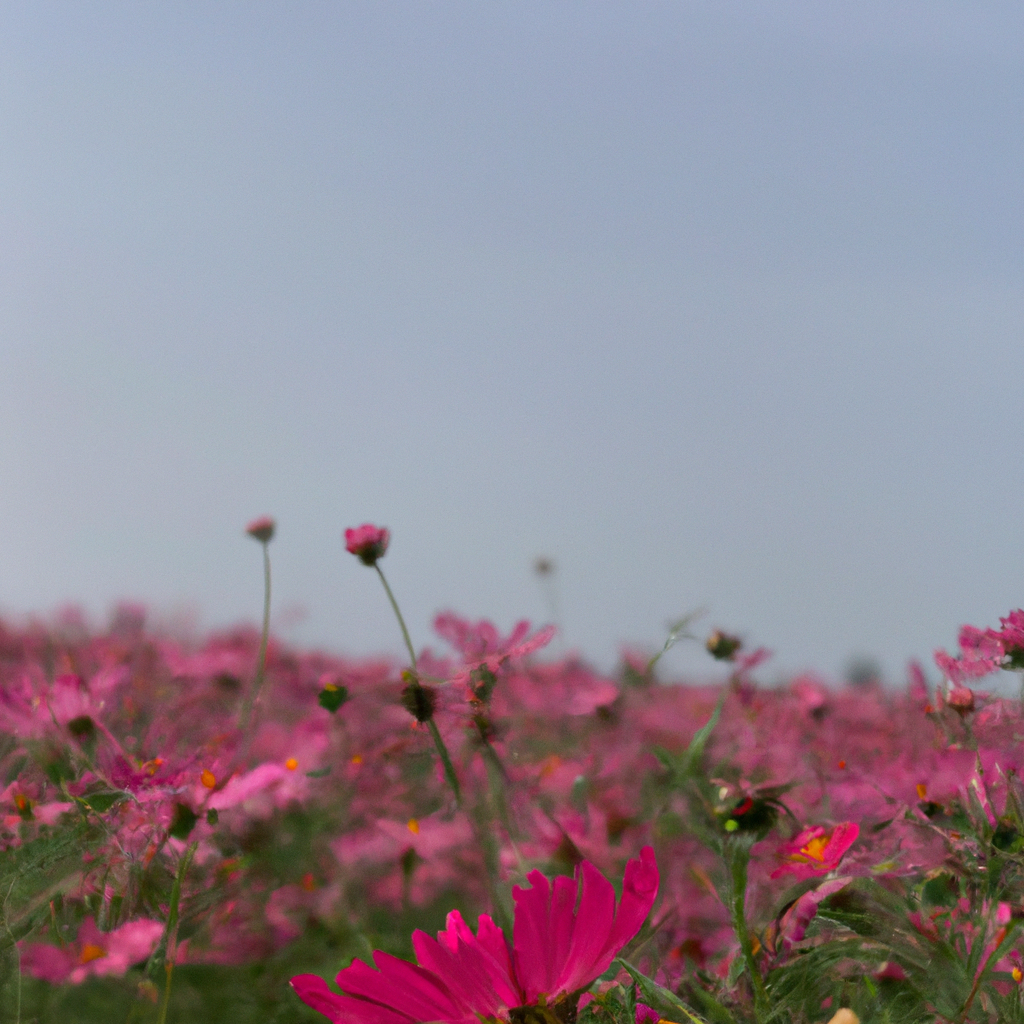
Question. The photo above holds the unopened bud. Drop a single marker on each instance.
(262, 529)
(723, 646)
(367, 542)
(419, 700)
(961, 700)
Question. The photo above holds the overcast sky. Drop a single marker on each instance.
(717, 305)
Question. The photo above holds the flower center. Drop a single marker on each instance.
(815, 849)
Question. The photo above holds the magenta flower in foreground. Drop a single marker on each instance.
(367, 542)
(559, 949)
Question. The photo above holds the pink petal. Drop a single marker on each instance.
(562, 926)
(492, 940)
(531, 935)
(639, 890)
(409, 989)
(461, 971)
(590, 937)
(313, 991)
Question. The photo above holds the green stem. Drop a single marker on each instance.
(446, 761)
(398, 615)
(261, 658)
(442, 750)
(10, 969)
(171, 932)
(738, 860)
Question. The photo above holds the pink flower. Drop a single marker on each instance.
(961, 700)
(367, 542)
(558, 950)
(981, 652)
(646, 1014)
(262, 529)
(797, 919)
(1011, 637)
(817, 850)
(93, 952)
(482, 646)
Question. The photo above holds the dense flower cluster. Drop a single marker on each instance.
(144, 817)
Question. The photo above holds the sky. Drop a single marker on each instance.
(718, 306)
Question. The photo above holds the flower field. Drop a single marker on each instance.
(214, 832)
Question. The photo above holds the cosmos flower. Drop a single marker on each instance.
(558, 950)
(92, 953)
(817, 850)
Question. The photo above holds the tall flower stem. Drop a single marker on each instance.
(738, 860)
(170, 937)
(439, 744)
(261, 659)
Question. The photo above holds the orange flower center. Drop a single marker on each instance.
(91, 952)
(815, 849)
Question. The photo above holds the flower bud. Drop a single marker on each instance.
(961, 700)
(419, 700)
(262, 529)
(367, 542)
(723, 646)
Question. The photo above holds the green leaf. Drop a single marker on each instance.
(661, 999)
(694, 753)
(319, 773)
(103, 799)
(33, 873)
(183, 822)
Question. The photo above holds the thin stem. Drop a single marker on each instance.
(446, 761)
(738, 863)
(10, 966)
(442, 750)
(398, 615)
(261, 658)
(171, 934)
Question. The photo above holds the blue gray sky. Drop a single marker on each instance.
(717, 305)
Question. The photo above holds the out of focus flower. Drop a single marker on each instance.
(262, 529)
(961, 700)
(646, 1014)
(92, 953)
(981, 652)
(816, 850)
(367, 542)
(1011, 637)
(796, 920)
(844, 1016)
(559, 948)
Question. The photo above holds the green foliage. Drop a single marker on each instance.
(35, 872)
